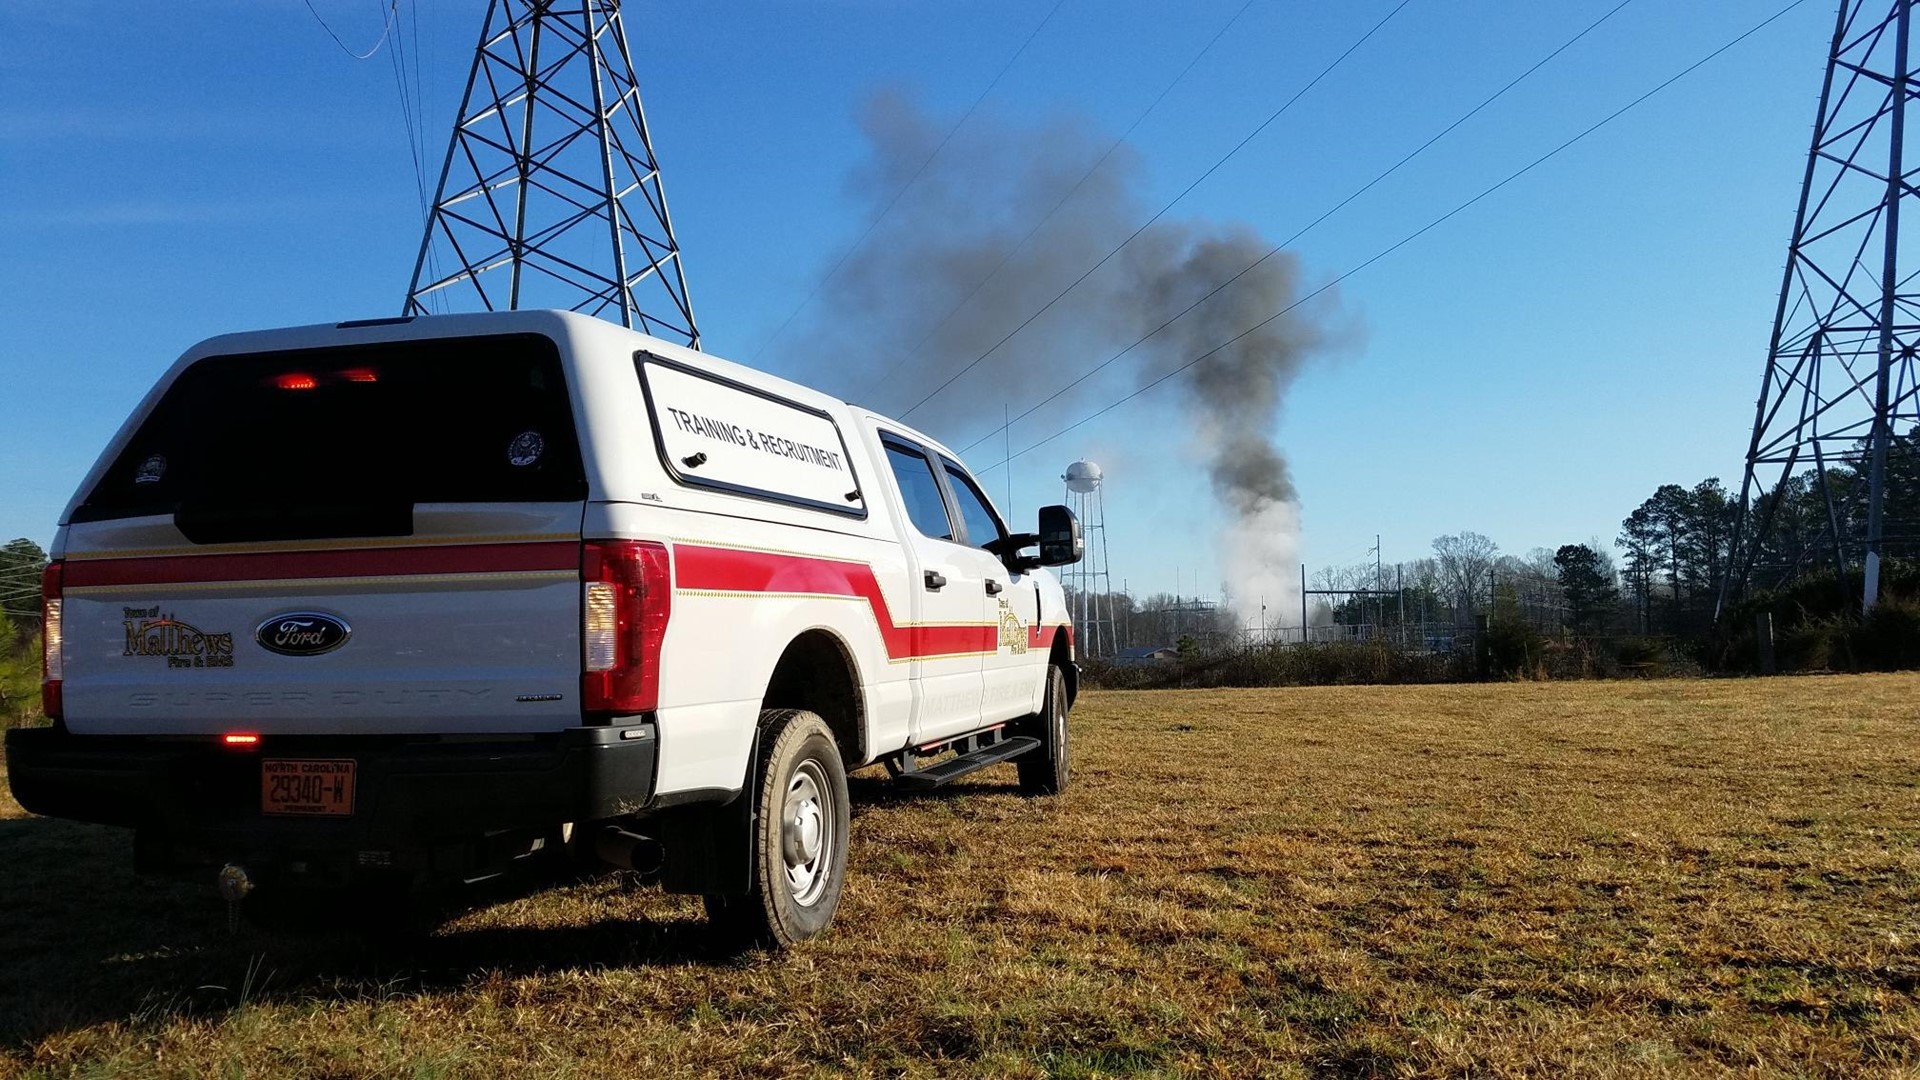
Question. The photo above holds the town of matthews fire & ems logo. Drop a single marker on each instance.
(150, 633)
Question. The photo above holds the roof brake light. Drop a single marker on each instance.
(240, 738)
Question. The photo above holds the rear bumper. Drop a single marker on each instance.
(196, 801)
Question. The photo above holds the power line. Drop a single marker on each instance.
(397, 60)
(1404, 241)
(385, 29)
(1158, 214)
(404, 59)
(1071, 192)
(1309, 226)
(887, 209)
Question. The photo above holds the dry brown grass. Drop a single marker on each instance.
(1587, 879)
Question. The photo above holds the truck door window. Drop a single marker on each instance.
(920, 490)
(982, 524)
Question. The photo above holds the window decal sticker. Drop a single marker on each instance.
(525, 449)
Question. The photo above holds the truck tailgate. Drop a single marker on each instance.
(434, 635)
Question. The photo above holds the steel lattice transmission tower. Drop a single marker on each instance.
(550, 195)
(1839, 384)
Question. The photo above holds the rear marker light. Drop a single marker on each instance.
(53, 641)
(360, 374)
(626, 596)
(240, 739)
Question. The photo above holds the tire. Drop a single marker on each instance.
(799, 837)
(1044, 771)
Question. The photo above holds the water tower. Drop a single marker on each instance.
(1090, 579)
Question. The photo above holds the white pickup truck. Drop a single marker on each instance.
(406, 600)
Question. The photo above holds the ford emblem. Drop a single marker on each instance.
(302, 633)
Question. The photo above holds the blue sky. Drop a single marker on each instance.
(1532, 369)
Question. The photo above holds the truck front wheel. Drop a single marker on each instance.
(1043, 771)
(799, 837)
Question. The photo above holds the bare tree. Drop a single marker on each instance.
(1463, 560)
(1532, 584)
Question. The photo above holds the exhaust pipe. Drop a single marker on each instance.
(629, 851)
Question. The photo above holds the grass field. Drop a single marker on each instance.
(1579, 879)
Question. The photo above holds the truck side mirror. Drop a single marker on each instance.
(1060, 542)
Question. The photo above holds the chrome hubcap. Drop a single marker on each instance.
(806, 839)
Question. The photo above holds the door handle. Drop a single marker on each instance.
(936, 580)
(993, 587)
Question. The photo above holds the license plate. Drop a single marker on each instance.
(307, 786)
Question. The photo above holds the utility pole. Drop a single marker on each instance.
(550, 195)
(1379, 606)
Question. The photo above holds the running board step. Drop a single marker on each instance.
(948, 771)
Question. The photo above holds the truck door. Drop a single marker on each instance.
(1011, 674)
(949, 632)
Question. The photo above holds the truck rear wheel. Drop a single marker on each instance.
(1044, 771)
(799, 837)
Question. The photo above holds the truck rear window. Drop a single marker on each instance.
(344, 442)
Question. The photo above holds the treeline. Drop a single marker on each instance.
(21, 562)
(1644, 603)
(1793, 577)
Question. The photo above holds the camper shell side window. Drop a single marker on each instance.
(722, 435)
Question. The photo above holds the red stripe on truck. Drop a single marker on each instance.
(735, 570)
(357, 562)
(695, 567)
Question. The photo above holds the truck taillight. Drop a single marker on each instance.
(625, 597)
(53, 641)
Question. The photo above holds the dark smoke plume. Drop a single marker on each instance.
(880, 338)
